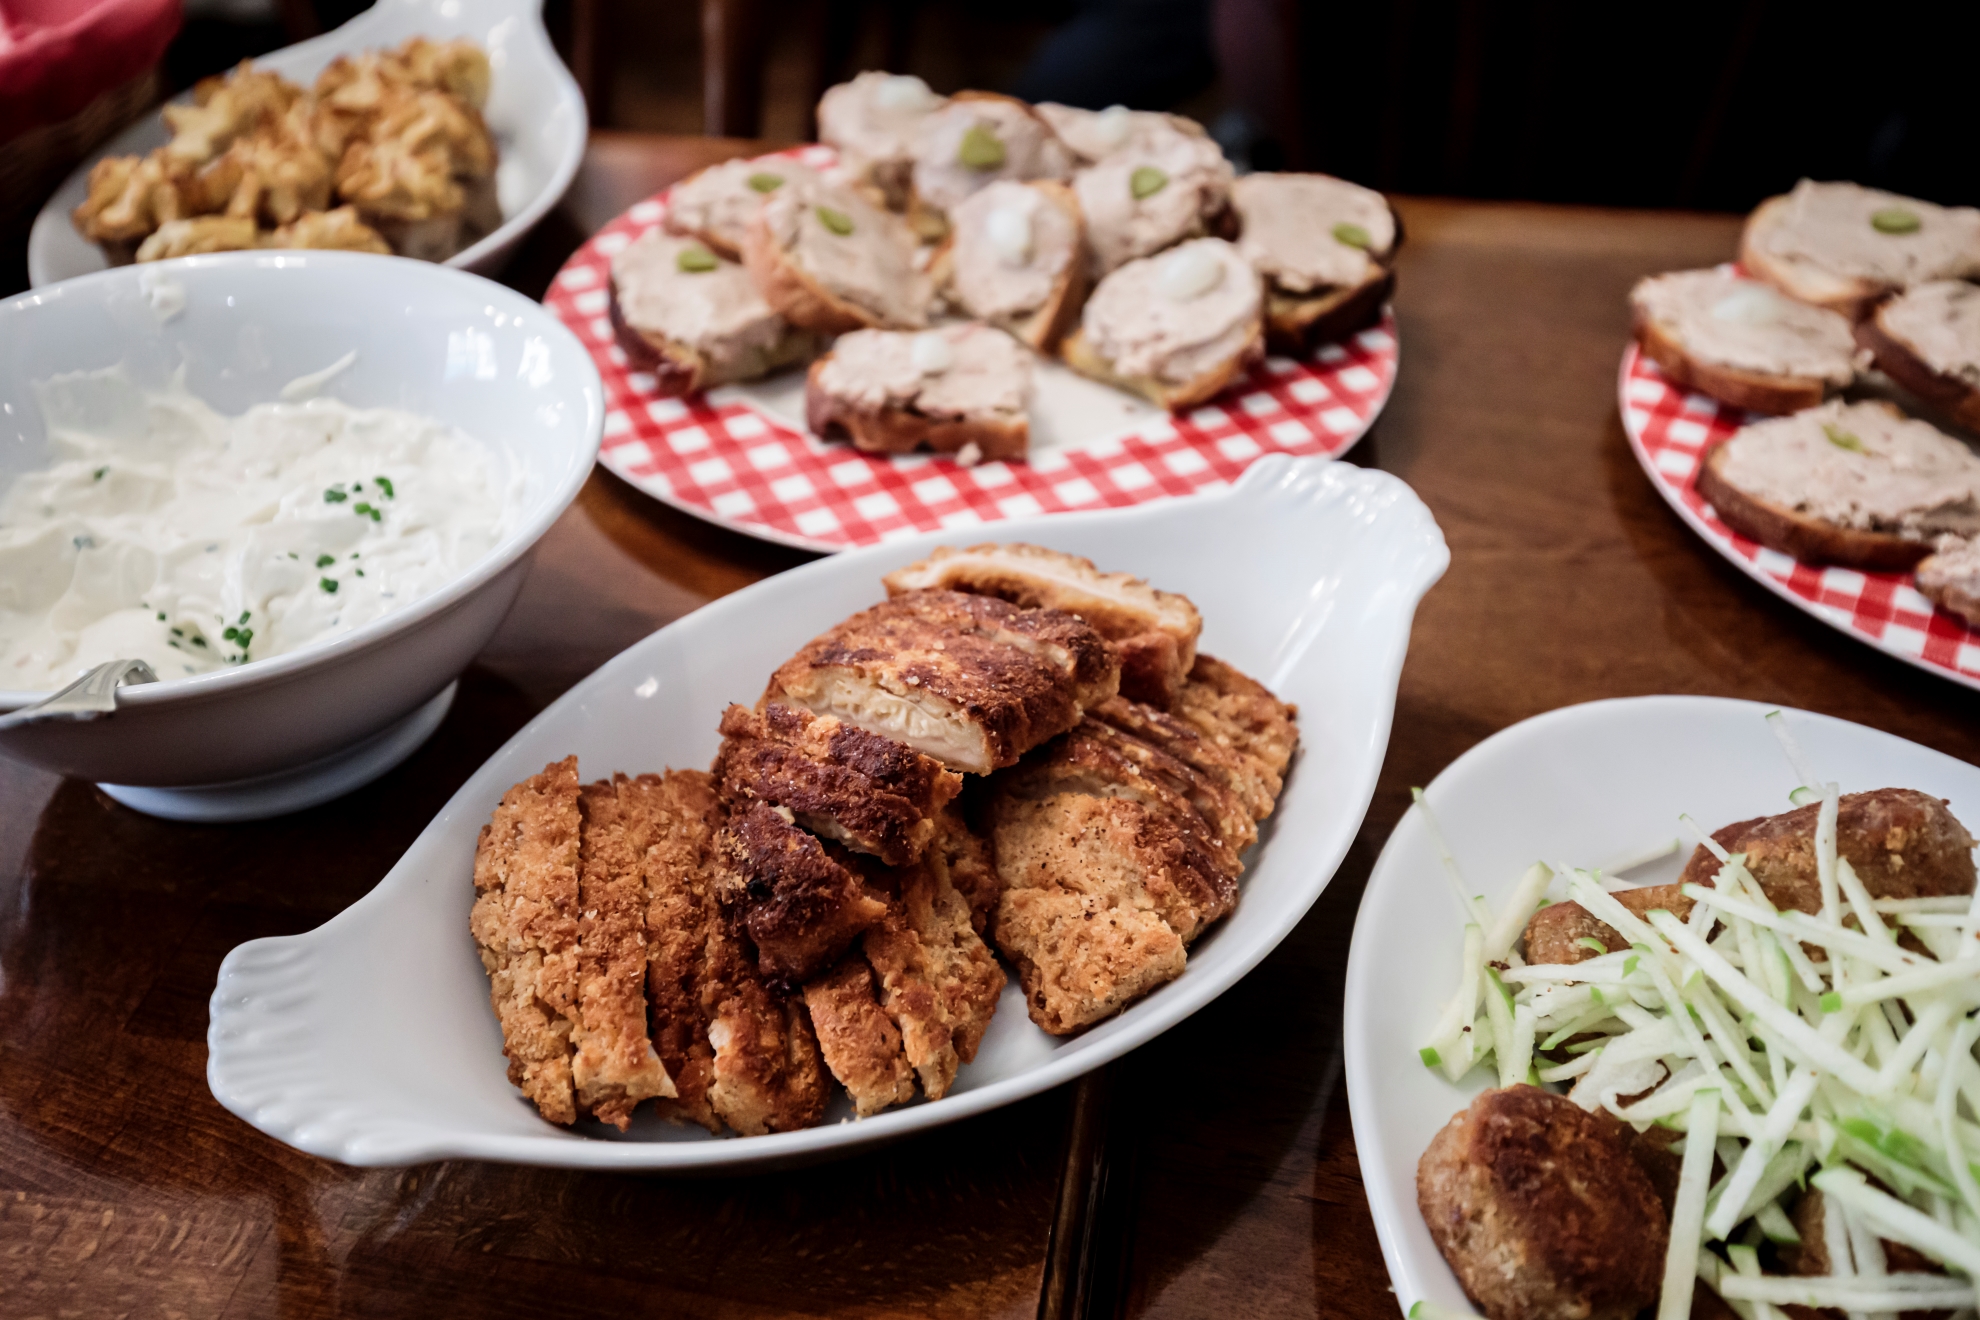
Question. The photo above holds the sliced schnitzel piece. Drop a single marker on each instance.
(961, 858)
(972, 681)
(861, 1044)
(1238, 712)
(1250, 781)
(1082, 959)
(937, 979)
(614, 1065)
(869, 793)
(1154, 632)
(741, 1051)
(799, 905)
(525, 920)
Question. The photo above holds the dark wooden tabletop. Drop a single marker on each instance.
(1212, 1173)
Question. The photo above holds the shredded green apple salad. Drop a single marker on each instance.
(1829, 1069)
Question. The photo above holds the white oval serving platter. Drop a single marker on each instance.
(370, 1040)
(1583, 786)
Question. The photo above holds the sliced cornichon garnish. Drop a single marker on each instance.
(980, 149)
(1147, 181)
(837, 221)
(1895, 220)
(765, 182)
(1842, 439)
(695, 259)
(1352, 235)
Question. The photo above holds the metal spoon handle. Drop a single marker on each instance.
(90, 697)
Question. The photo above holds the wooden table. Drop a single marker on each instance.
(1210, 1174)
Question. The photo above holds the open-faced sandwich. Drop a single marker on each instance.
(872, 122)
(715, 205)
(821, 906)
(695, 320)
(970, 143)
(1014, 257)
(1844, 246)
(1949, 577)
(1742, 341)
(1326, 250)
(1927, 339)
(1093, 135)
(1176, 328)
(1857, 484)
(1161, 186)
(827, 259)
(958, 390)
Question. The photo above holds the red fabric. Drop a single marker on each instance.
(56, 56)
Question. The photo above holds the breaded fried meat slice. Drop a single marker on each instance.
(971, 681)
(525, 920)
(861, 1044)
(871, 794)
(1236, 711)
(935, 977)
(1541, 1211)
(799, 904)
(741, 1051)
(1154, 632)
(613, 1064)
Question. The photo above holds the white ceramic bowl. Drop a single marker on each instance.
(1582, 786)
(1307, 572)
(534, 109)
(429, 340)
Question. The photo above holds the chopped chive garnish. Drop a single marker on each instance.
(385, 484)
(98, 474)
(199, 641)
(231, 635)
(1429, 1056)
(324, 561)
(335, 495)
(363, 510)
(360, 572)
(161, 616)
(329, 585)
(294, 555)
(177, 632)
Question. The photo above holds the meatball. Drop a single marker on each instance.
(1541, 1211)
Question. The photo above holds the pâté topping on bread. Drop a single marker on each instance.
(1927, 339)
(715, 205)
(1950, 577)
(1850, 483)
(949, 390)
(974, 140)
(832, 261)
(1842, 246)
(1324, 248)
(1177, 327)
(696, 320)
(1014, 258)
(1162, 186)
(1742, 341)
(1093, 135)
(872, 122)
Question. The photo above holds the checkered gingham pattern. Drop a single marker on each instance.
(1670, 428)
(748, 470)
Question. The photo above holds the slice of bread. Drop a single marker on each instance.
(1751, 390)
(1080, 356)
(1199, 307)
(697, 325)
(834, 262)
(1797, 535)
(1297, 324)
(889, 396)
(1843, 246)
(1043, 326)
(1950, 577)
(715, 205)
(1887, 334)
(1849, 295)
(1317, 290)
(1026, 148)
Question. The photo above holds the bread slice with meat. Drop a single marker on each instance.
(1326, 249)
(715, 205)
(1927, 339)
(1178, 328)
(1013, 259)
(694, 320)
(971, 142)
(1949, 577)
(832, 261)
(1844, 246)
(1861, 485)
(962, 389)
(1741, 341)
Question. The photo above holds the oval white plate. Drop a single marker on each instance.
(1584, 786)
(742, 457)
(1670, 428)
(370, 1040)
(534, 109)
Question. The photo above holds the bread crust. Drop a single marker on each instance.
(676, 369)
(706, 237)
(1752, 390)
(1297, 324)
(902, 430)
(1080, 356)
(1042, 328)
(1852, 297)
(1796, 534)
(794, 294)
(1896, 359)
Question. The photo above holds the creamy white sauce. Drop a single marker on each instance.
(165, 532)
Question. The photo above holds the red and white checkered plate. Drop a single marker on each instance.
(740, 456)
(1670, 428)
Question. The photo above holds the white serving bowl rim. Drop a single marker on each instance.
(540, 511)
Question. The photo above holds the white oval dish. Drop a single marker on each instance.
(429, 340)
(1583, 786)
(534, 109)
(370, 1040)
